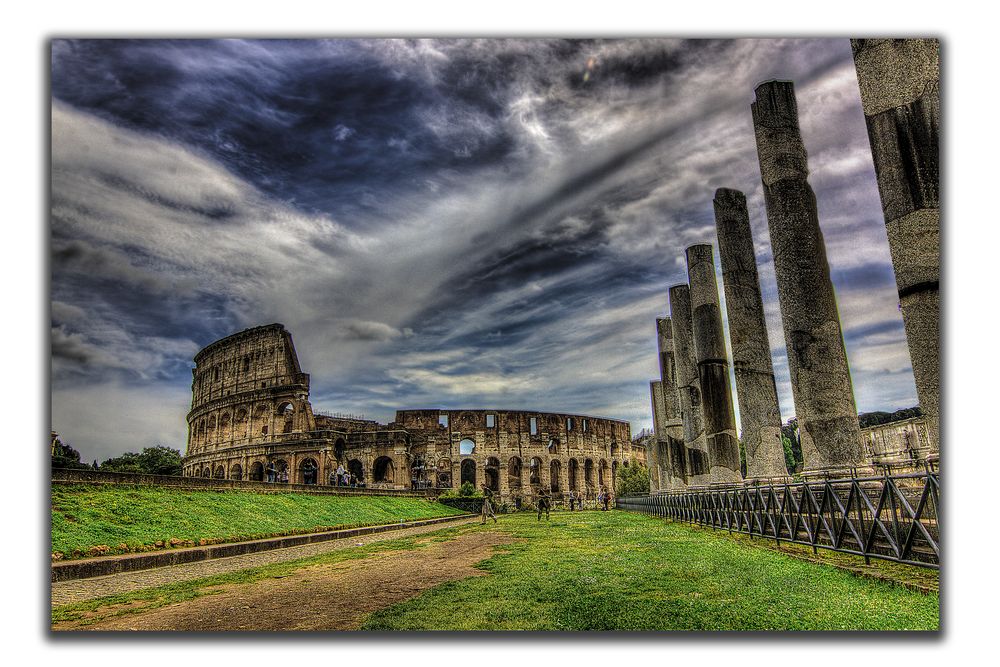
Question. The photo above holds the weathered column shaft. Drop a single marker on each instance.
(670, 440)
(657, 479)
(688, 386)
(713, 367)
(817, 360)
(760, 416)
(899, 81)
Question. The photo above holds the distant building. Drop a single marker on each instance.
(250, 411)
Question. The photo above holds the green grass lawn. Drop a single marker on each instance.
(86, 516)
(624, 571)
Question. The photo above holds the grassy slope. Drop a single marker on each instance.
(622, 571)
(84, 516)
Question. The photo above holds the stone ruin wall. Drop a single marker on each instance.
(250, 408)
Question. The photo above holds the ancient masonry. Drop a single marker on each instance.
(899, 95)
(694, 438)
(713, 367)
(817, 361)
(760, 417)
(250, 408)
(688, 386)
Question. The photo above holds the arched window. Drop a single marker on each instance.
(383, 471)
(573, 470)
(220, 473)
(466, 447)
(535, 471)
(236, 472)
(555, 468)
(257, 472)
(469, 472)
(514, 473)
(492, 472)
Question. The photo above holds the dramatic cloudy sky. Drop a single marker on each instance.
(439, 223)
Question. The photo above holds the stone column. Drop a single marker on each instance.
(713, 367)
(657, 479)
(760, 417)
(817, 361)
(672, 457)
(899, 81)
(688, 386)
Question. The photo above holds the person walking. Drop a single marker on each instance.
(572, 499)
(606, 499)
(487, 505)
(543, 504)
(272, 472)
(340, 475)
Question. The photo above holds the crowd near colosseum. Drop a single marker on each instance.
(251, 419)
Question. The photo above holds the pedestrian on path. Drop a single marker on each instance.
(487, 506)
(543, 504)
(572, 499)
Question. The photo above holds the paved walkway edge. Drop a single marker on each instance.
(97, 567)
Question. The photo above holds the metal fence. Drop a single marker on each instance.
(892, 517)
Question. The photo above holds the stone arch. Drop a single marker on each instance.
(225, 426)
(220, 472)
(572, 470)
(444, 473)
(257, 471)
(285, 408)
(357, 470)
(308, 471)
(588, 475)
(469, 471)
(206, 472)
(240, 422)
(535, 471)
(492, 474)
(236, 471)
(281, 466)
(602, 473)
(514, 473)
(339, 447)
(467, 447)
(553, 446)
(614, 474)
(555, 468)
(384, 471)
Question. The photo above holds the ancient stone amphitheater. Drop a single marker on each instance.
(250, 413)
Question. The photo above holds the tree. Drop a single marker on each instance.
(157, 460)
(632, 480)
(64, 456)
(790, 431)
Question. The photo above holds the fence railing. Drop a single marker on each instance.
(893, 517)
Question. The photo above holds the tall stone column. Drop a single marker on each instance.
(899, 81)
(670, 445)
(760, 416)
(713, 367)
(688, 386)
(658, 480)
(817, 360)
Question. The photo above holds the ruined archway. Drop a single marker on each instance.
(555, 468)
(535, 471)
(281, 466)
(492, 474)
(339, 448)
(572, 471)
(357, 470)
(614, 474)
(588, 475)
(467, 447)
(602, 474)
(308, 471)
(236, 471)
(468, 472)
(514, 473)
(444, 473)
(257, 472)
(383, 471)
(220, 472)
(206, 471)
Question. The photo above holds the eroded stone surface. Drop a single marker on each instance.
(817, 360)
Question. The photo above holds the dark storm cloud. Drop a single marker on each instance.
(438, 222)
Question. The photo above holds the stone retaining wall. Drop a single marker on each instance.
(97, 567)
(68, 476)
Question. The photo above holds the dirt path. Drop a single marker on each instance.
(320, 597)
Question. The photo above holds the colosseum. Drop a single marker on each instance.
(251, 419)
